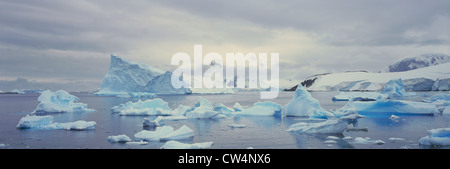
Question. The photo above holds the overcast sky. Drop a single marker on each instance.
(67, 44)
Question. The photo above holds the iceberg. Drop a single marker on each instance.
(159, 132)
(221, 108)
(126, 76)
(153, 107)
(366, 140)
(34, 121)
(58, 102)
(266, 108)
(396, 107)
(158, 122)
(119, 138)
(203, 109)
(303, 104)
(178, 145)
(46, 122)
(183, 132)
(327, 126)
(394, 89)
(436, 137)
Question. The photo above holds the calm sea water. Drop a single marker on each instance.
(261, 132)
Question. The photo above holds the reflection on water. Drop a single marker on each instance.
(260, 132)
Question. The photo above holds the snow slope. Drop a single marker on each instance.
(364, 81)
(421, 61)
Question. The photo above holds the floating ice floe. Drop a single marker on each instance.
(183, 132)
(366, 140)
(165, 133)
(266, 108)
(47, 122)
(327, 126)
(394, 89)
(395, 106)
(440, 100)
(155, 107)
(303, 104)
(237, 125)
(157, 122)
(203, 109)
(119, 139)
(146, 135)
(436, 137)
(58, 102)
(178, 145)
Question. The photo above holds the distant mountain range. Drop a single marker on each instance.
(417, 62)
(422, 73)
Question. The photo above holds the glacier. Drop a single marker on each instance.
(59, 102)
(47, 122)
(303, 104)
(178, 145)
(417, 79)
(125, 77)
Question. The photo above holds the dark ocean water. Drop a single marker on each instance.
(261, 132)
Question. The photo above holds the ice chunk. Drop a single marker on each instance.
(446, 110)
(366, 140)
(180, 110)
(146, 135)
(394, 89)
(303, 104)
(203, 109)
(237, 125)
(46, 122)
(438, 97)
(34, 121)
(223, 109)
(178, 145)
(58, 102)
(394, 117)
(157, 122)
(237, 107)
(266, 108)
(119, 138)
(438, 137)
(76, 125)
(183, 132)
(395, 106)
(155, 107)
(328, 126)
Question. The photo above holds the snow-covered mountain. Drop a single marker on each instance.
(127, 76)
(424, 79)
(417, 62)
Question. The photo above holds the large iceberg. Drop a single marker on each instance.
(178, 145)
(125, 76)
(437, 137)
(58, 102)
(155, 107)
(396, 107)
(303, 104)
(47, 122)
